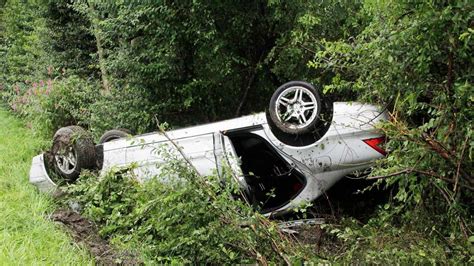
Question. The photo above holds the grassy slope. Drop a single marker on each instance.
(26, 237)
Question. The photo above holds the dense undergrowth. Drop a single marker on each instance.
(195, 219)
(120, 65)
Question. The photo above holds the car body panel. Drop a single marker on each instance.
(39, 175)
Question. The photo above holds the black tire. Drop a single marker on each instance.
(113, 135)
(126, 130)
(73, 150)
(301, 112)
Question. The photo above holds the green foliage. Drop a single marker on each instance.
(68, 103)
(198, 61)
(123, 108)
(206, 60)
(21, 41)
(188, 219)
(182, 62)
(316, 22)
(416, 60)
(51, 104)
(69, 40)
(379, 242)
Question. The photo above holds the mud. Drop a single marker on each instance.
(85, 232)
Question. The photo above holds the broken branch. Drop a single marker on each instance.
(447, 155)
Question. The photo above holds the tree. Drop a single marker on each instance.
(70, 41)
(21, 43)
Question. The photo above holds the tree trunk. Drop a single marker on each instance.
(100, 50)
(103, 70)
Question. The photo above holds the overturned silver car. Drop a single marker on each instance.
(296, 150)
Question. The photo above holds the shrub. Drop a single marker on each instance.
(52, 104)
(123, 108)
(69, 103)
(380, 242)
(189, 219)
(415, 60)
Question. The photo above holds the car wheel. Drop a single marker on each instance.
(295, 108)
(73, 150)
(114, 134)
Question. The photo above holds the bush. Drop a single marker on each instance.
(52, 104)
(415, 59)
(189, 219)
(380, 242)
(69, 103)
(123, 108)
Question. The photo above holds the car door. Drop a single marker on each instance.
(227, 159)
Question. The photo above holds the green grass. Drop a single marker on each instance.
(27, 236)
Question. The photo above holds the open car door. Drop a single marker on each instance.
(227, 159)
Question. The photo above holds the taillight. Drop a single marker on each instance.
(376, 143)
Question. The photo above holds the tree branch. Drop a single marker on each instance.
(459, 163)
(180, 150)
(447, 155)
(249, 85)
(100, 49)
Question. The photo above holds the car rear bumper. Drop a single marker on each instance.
(39, 175)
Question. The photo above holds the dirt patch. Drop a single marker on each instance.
(85, 232)
(310, 235)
